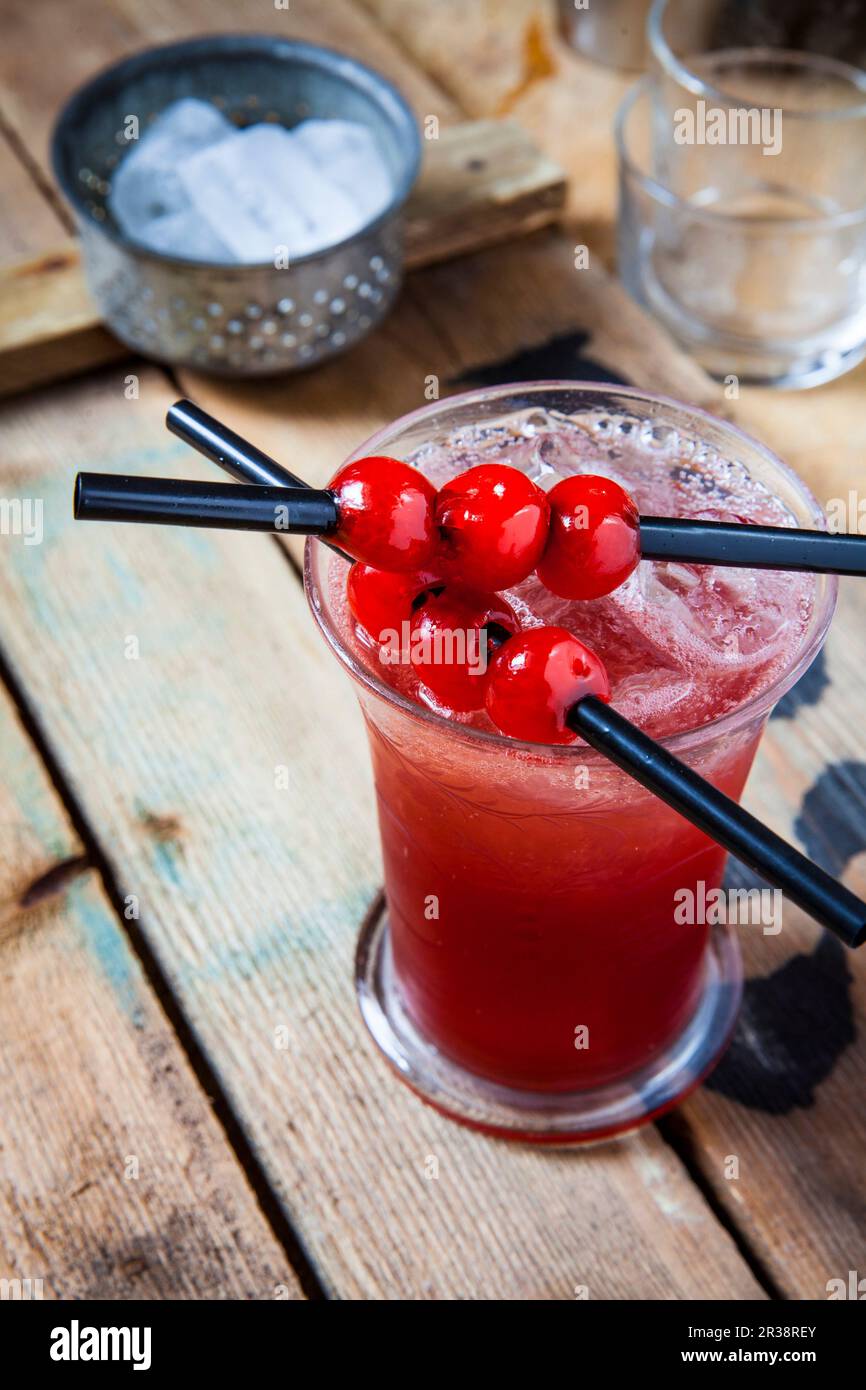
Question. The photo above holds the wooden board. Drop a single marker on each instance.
(29, 221)
(252, 894)
(115, 1179)
(788, 1101)
(44, 59)
(512, 61)
(49, 328)
(481, 182)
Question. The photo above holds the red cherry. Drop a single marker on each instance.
(594, 540)
(452, 636)
(385, 513)
(534, 680)
(380, 599)
(492, 524)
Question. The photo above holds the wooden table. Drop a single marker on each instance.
(189, 1104)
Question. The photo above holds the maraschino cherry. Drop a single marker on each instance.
(492, 523)
(594, 538)
(381, 600)
(452, 637)
(385, 513)
(536, 678)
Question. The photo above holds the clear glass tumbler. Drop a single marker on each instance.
(755, 263)
(550, 995)
(743, 193)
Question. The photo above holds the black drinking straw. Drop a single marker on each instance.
(661, 537)
(752, 547)
(805, 883)
(180, 502)
(173, 501)
(221, 445)
(237, 456)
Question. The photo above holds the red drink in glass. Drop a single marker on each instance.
(533, 976)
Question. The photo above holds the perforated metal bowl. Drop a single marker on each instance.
(235, 320)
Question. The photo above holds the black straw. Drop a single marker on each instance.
(301, 509)
(180, 502)
(804, 882)
(221, 445)
(752, 547)
(662, 537)
(236, 455)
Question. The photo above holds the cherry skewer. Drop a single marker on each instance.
(236, 455)
(304, 510)
(661, 537)
(258, 508)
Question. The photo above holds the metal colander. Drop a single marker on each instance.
(235, 320)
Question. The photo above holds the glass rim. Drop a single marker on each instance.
(696, 213)
(758, 706)
(693, 82)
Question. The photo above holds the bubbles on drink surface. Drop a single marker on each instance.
(682, 644)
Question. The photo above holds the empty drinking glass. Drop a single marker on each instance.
(743, 196)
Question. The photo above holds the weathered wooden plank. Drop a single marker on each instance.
(29, 224)
(117, 1182)
(511, 61)
(44, 57)
(535, 325)
(49, 328)
(482, 182)
(252, 885)
(787, 1103)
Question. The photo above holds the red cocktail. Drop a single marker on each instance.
(534, 975)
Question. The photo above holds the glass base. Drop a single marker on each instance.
(789, 374)
(794, 365)
(574, 1117)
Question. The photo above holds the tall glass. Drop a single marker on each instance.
(529, 977)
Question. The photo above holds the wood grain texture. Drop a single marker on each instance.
(252, 892)
(791, 1108)
(29, 223)
(115, 1179)
(481, 182)
(49, 328)
(510, 60)
(51, 49)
